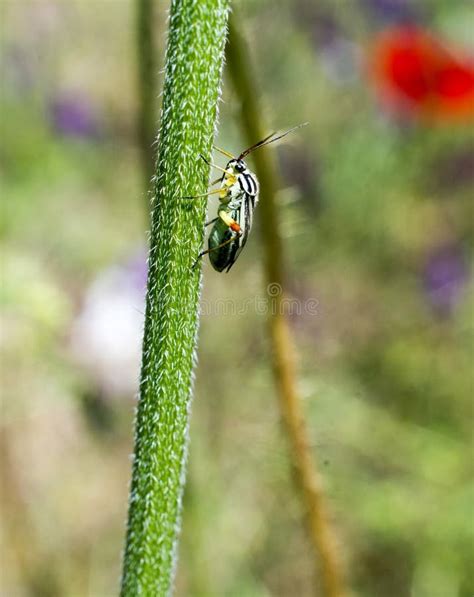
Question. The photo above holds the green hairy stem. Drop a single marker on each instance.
(197, 31)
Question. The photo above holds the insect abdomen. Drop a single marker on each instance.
(223, 257)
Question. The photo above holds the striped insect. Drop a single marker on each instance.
(238, 196)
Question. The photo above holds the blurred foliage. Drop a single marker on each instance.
(378, 227)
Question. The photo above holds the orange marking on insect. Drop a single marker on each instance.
(235, 227)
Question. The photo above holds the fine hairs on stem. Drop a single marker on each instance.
(194, 59)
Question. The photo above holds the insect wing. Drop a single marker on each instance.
(244, 217)
(248, 183)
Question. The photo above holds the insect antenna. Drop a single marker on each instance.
(269, 140)
(224, 152)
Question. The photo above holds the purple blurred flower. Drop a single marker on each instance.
(137, 269)
(393, 11)
(445, 274)
(73, 115)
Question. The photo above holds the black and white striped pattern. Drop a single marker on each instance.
(244, 217)
(238, 196)
(248, 183)
(246, 180)
(243, 200)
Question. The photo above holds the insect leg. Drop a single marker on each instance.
(226, 242)
(211, 221)
(214, 165)
(214, 192)
(232, 224)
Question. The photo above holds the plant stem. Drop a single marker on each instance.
(194, 59)
(309, 480)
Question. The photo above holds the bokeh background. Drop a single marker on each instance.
(375, 210)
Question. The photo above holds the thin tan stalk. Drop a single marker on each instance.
(309, 481)
(147, 116)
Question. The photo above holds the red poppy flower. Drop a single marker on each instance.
(416, 73)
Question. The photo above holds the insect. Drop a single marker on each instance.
(238, 196)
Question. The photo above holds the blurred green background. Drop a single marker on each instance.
(375, 210)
